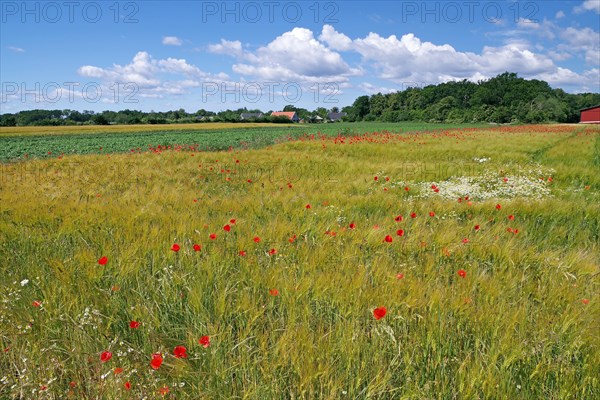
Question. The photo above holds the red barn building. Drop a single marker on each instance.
(590, 115)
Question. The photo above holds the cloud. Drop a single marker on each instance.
(373, 89)
(153, 78)
(545, 29)
(232, 48)
(588, 5)
(409, 59)
(295, 56)
(527, 23)
(16, 49)
(335, 40)
(171, 41)
(560, 14)
(584, 41)
(141, 71)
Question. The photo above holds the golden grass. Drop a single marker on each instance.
(515, 327)
(68, 130)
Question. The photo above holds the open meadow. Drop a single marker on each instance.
(346, 261)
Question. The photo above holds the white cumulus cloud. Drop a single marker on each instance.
(171, 41)
(588, 5)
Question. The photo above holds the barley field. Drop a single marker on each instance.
(458, 263)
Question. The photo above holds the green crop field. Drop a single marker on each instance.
(343, 261)
(19, 143)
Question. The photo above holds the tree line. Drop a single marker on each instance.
(505, 98)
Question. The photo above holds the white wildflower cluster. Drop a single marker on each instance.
(490, 185)
(89, 317)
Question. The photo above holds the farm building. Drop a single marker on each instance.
(336, 116)
(250, 116)
(288, 114)
(590, 115)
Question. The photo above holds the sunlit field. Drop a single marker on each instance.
(456, 264)
(81, 129)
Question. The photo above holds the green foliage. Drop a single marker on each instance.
(503, 99)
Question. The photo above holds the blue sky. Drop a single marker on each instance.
(164, 55)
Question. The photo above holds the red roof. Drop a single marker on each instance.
(289, 114)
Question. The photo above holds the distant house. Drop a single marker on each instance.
(248, 116)
(288, 114)
(590, 115)
(318, 119)
(334, 117)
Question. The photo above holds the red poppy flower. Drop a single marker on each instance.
(379, 312)
(118, 370)
(465, 240)
(180, 352)
(399, 218)
(134, 324)
(36, 303)
(462, 273)
(307, 207)
(274, 292)
(197, 247)
(388, 239)
(505, 179)
(400, 232)
(292, 239)
(212, 236)
(163, 390)
(175, 247)
(352, 225)
(511, 217)
(477, 227)
(585, 301)
(72, 384)
(256, 239)
(227, 228)
(406, 188)
(376, 178)
(242, 253)
(105, 356)
(413, 215)
(498, 206)
(400, 276)
(431, 214)
(127, 385)
(103, 260)
(156, 361)
(232, 221)
(272, 252)
(204, 341)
